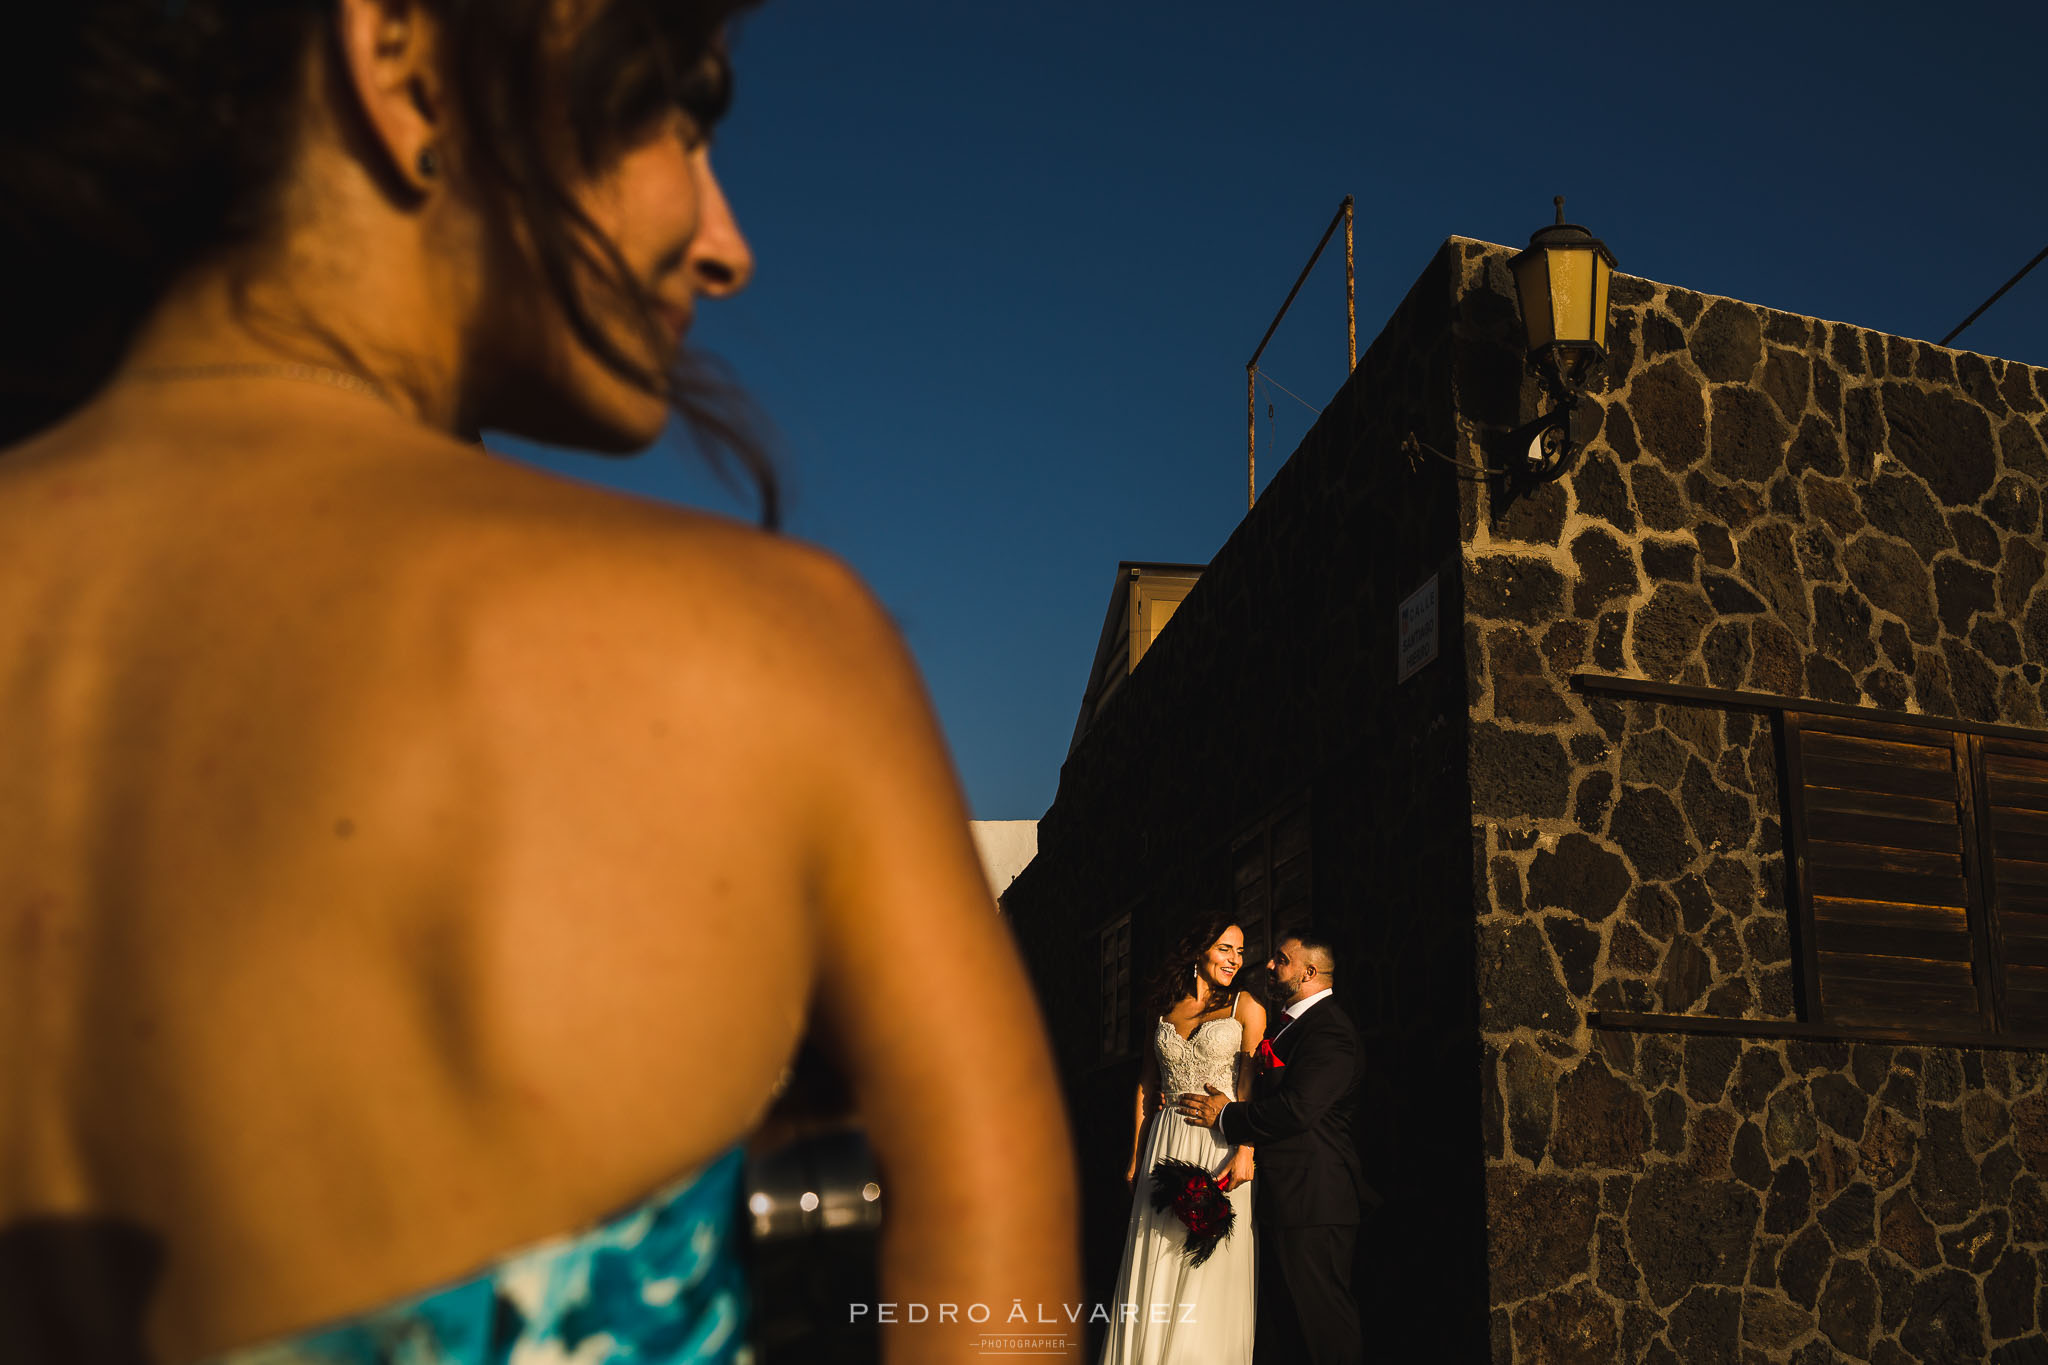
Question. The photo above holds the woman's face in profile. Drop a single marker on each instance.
(661, 206)
(1225, 956)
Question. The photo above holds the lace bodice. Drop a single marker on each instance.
(1207, 1057)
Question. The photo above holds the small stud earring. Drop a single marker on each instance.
(428, 164)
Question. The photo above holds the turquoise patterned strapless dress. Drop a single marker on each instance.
(660, 1284)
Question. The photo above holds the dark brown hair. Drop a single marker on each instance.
(137, 137)
(1176, 975)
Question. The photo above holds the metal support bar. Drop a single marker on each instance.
(1343, 215)
(1995, 297)
(1650, 690)
(1628, 1022)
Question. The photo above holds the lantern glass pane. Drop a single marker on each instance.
(1571, 292)
(1601, 272)
(1532, 283)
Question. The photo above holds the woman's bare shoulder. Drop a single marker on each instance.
(611, 578)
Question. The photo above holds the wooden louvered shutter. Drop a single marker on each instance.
(1272, 881)
(1291, 878)
(1251, 891)
(2012, 804)
(1883, 835)
(1116, 985)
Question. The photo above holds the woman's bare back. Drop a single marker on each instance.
(404, 852)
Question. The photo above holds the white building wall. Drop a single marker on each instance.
(1006, 846)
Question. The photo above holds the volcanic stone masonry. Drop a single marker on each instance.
(1772, 504)
(1780, 505)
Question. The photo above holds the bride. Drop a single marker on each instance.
(1168, 1311)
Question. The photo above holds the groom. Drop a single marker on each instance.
(1308, 1190)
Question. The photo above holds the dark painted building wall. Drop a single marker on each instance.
(1510, 855)
(1268, 689)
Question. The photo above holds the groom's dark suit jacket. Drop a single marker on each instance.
(1300, 1118)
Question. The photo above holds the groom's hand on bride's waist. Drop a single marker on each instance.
(1202, 1110)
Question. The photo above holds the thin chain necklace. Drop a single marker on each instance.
(305, 374)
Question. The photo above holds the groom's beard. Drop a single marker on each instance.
(1263, 987)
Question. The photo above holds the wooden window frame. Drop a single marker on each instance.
(1990, 959)
(2001, 897)
(1260, 937)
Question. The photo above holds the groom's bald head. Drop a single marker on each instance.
(1318, 950)
(1303, 964)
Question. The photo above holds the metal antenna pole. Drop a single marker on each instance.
(1251, 434)
(1350, 292)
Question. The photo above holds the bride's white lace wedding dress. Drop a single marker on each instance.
(1166, 1311)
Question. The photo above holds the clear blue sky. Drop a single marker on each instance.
(1013, 254)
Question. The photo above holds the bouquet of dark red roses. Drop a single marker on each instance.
(1195, 1197)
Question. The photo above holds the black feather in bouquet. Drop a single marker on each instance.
(1198, 1201)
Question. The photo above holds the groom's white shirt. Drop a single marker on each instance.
(1303, 1006)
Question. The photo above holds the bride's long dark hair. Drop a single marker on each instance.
(1175, 980)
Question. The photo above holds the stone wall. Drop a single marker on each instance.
(1275, 681)
(1787, 506)
(1773, 504)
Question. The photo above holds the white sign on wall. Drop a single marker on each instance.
(1418, 629)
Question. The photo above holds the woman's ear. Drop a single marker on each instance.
(390, 58)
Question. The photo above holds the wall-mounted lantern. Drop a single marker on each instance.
(1562, 281)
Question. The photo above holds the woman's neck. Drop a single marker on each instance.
(285, 307)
